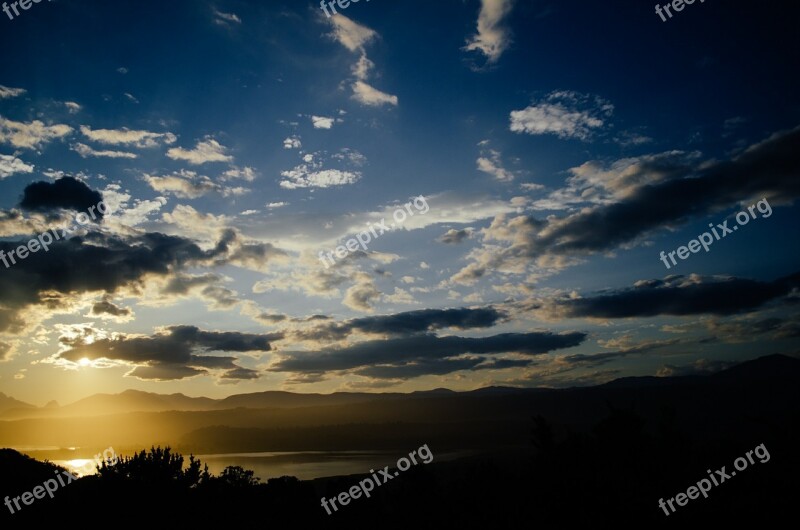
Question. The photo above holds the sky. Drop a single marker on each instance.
(512, 170)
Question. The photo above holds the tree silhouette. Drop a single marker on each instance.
(237, 476)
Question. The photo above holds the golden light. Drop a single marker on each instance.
(85, 362)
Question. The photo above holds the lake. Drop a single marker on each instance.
(305, 465)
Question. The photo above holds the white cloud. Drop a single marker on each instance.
(205, 151)
(321, 122)
(125, 136)
(349, 34)
(292, 142)
(492, 38)
(131, 97)
(326, 178)
(565, 114)
(368, 95)
(362, 67)
(272, 205)
(352, 156)
(86, 151)
(225, 18)
(72, 107)
(184, 184)
(10, 164)
(122, 212)
(8, 92)
(490, 163)
(30, 135)
(245, 173)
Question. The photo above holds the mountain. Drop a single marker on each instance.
(771, 368)
(9, 403)
(745, 402)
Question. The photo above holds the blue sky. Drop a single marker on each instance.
(558, 147)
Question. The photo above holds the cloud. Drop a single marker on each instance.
(489, 162)
(67, 193)
(175, 353)
(454, 237)
(354, 37)
(423, 347)
(86, 151)
(303, 177)
(321, 122)
(699, 367)
(226, 18)
(368, 95)
(752, 329)
(677, 296)
(107, 310)
(247, 174)
(30, 135)
(361, 295)
(10, 164)
(564, 114)
(361, 69)
(72, 107)
(594, 183)
(8, 92)
(184, 184)
(643, 198)
(492, 38)
(409, 322)
(128, 137)
(292, 142)
(205, 151)
(349, 34)
(98, 262)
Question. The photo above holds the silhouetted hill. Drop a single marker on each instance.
(708, 406)
(8, 403)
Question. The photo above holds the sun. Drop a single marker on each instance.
(85, 362)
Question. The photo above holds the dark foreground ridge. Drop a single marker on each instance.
(633, 442)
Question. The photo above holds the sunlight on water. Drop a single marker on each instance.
(79, 466)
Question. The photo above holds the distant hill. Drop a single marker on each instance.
(9, 403)
(746, 400)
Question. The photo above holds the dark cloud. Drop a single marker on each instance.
(400, 351)
(165, 372)
(95, 262)
(453, 236)
(752, 330)
(502, 364)
(699, 367)
(178, 353)
(768, 169)
(419, 368)
(105, 307)
(408, 322)
(65, 193)
(676, 295)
